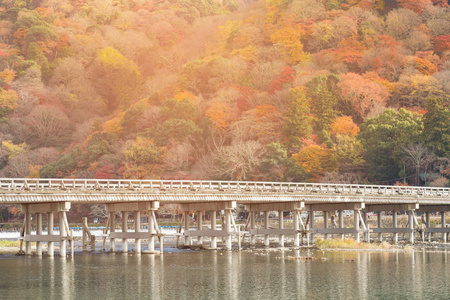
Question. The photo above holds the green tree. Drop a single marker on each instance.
(173, 109)
(321, 90)
(297, 123)
(142, 152)
(436, 123)
(176, 129)
(118, 78)
(383, 139)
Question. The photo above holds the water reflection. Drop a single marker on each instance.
(230, 275)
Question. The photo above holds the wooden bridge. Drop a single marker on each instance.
(54, 196)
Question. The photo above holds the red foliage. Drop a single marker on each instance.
(416, 5)
(287, 75)
(418, 110)
(245, 93)
(442, 43)
(3, 54)
(105, 172)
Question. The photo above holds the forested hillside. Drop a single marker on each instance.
(275, 90)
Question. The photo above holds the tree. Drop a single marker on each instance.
(178, 109)
(419, 157)
(220, 115)
(415, 5)
(173, 129)
(345, 126)
(8, 102)
(237, 162)
(348, 153)
(316, 160)
(361, 95)
(322, 90)
(297, 123)
(48, 127)
(289, 40)
(118, 77)
(383, 139)
(436, 123)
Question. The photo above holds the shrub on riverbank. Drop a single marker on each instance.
(9, 244)
(348, 244)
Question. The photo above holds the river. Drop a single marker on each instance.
(229, 275)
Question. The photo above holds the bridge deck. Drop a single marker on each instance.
(21, 190)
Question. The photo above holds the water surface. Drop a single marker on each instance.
(228, 275)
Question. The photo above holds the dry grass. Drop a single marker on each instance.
(9, 244)
(348, 244)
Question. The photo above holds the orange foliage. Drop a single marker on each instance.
(424, 66)
(316, 160)
(344, 125)
(220, 115)
(372, 76)
(267, 113)
(20, 35)
(185, 94)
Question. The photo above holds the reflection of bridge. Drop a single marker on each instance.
(50, 196)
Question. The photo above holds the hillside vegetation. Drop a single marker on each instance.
(275, 90)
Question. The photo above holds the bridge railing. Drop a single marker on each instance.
(42, 185)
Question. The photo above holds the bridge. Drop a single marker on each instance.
(49, 197)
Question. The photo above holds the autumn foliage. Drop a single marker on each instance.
(269, 90)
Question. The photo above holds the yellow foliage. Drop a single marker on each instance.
(289, 40)
(185, 94)
(113, 125)
(8, 75)
(13, 149)
(247, 53)
(229, 28)
(316, 160)
(34, 171)
(344, 125)
(110, 58)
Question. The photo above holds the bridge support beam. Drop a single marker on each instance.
(280, 232)
(228, 226)
(137, 208)
(46, 208)
(332, 207)
(410, 208)
(444, 230)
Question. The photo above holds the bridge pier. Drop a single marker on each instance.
(325, 223)
(48, 208)
(136, 207)
(443, 229)
(379, 224)
(410, 208)
(280, 232)
(332, 207)
(281, 227)
(341, 222)
(226, 232)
